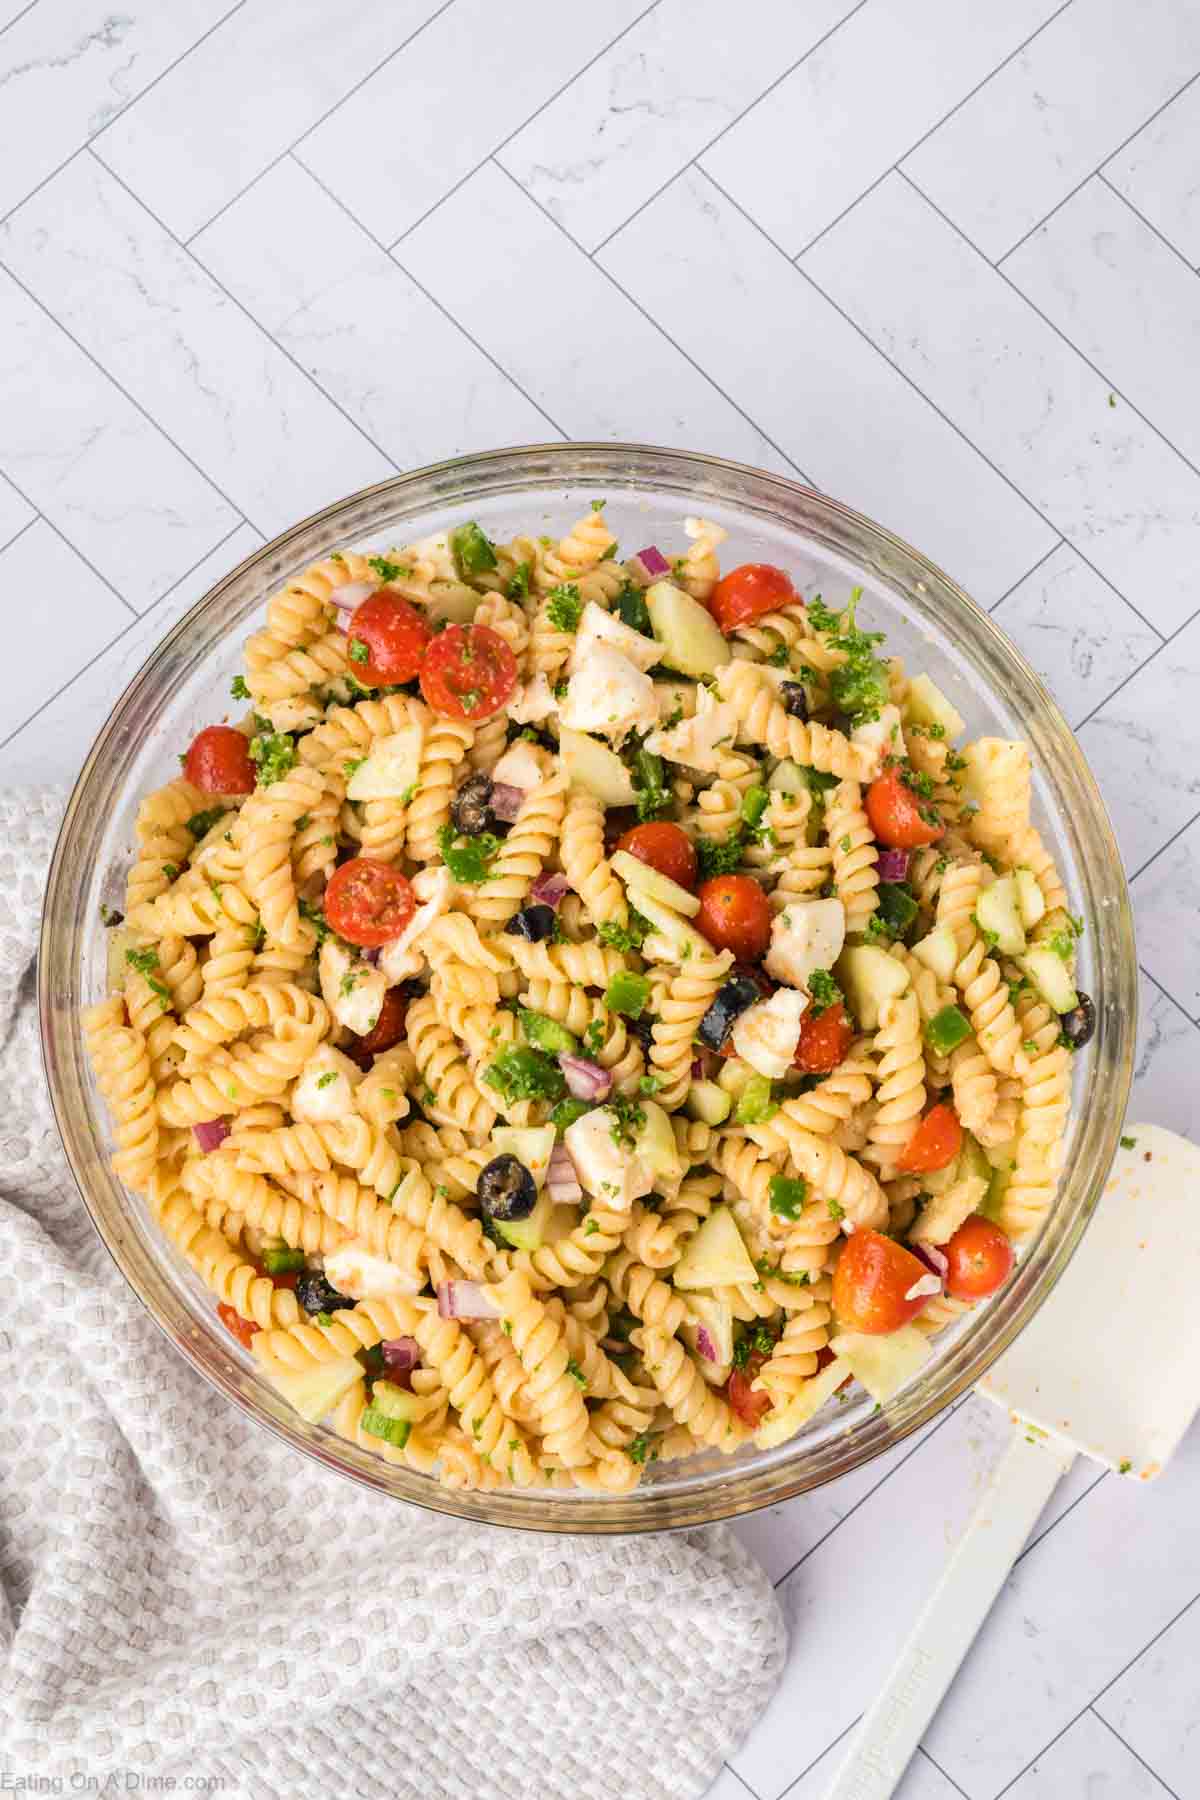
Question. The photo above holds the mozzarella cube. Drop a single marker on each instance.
(430, 558)
(357, 1272)
(697, 741)
(392, 767)
(610, 696)
(767, 1033)
(520, 766)
(353, 991)
(402, 957)
(599, 627)
(806, 935)
(533, 702)
(325, 1088)
(884, 735)
(604, 1167)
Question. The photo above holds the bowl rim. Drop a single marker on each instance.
(719, 1498)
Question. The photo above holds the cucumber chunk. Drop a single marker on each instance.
(997, 912)
(532, 1145)
(593, 766)
(397, 1403)
(656, 1147)
(714, 1318)
(938, 952)
(883, 1364)
(547, 1034)
(639, 876)
(379, 1424)
(1052, 979)
(1030, 898)
(689, 635)
(869, 977)
(785, 1421)
(391, 768)
(529, 1233)
(687, 942)
(316, 1390)
(786, 778)
(716, 1257)
(708, 1103)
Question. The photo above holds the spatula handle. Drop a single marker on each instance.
(895, 1723)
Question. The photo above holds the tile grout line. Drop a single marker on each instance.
(1153, 1773)
(74, 548)
(432, 299)
(1022, 579)
(741, 1779)
(839, 1739)
(948, 1779)
(1146, 661)
(22, 529)
(652, 321)
(247, 315)
(1138, 214)
(123, 633)
(1152, 978)
(1174, 838)
(933, 405)
(17, 17)
(1032, 1542)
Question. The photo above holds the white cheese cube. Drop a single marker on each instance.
(767, 1033)
(324, 1090)
(698, 741)
(355, 1271)
(392, 767)
(806, 935)
(603, 1167)
(402, 957)
(884, 735)
(520, 766)
(610, 696)
(533, 702)
(599, 627)
(353, 991)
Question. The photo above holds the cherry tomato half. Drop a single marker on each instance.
(896, 814)
(749, 1403)
(368, 903)
(394, 635)
(665, 847)
(242, 1329)
(980, 1258)
(735, 915)
(935, 1143)
(387, 1030)
(748, 592)
(824, 1040)
(468, 672)
(871, 1282)
(219, 761)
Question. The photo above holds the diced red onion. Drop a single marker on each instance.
(212, 1133)
(705, 1345)
(585, 1080)
(653, 562)
(464, 1300)
(506, 801)
(893, 865)
(548, 890)
(934, 1259)
(697, 1069)
(372, 956)
(924, 1286)
(562, 1183)
(400, 1354)
(348, 598)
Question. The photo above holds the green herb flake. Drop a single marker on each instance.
(576, 1373)
(628, 1120)
(324, 1080)
(273, 754)
(633, 611)
(627, 994)
(1124, 1467)
(201, 823)
(238, 688)
(719, 856)
(468, 859)
(387, 570)
(787, 1196)
(564, 608)
(823, 992)
(519, 582)
(628, 937)
(859, 686)
(358, 651)
(522, 1073)
(836, 1209)
(1129, 1143)
(638, 1448)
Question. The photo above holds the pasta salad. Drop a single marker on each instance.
(583, 1011)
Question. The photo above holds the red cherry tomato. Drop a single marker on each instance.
(665, 847)
(980, 1258)
(935, 1143)
(735, 915)
(824, 1040)
(219, 761)
(749, 1403)
(895, 812)
(242, 1329)
(387, 1030)
(873, 1277)
(748, 592)
(394, 635)
(468, 672)
(368, 903)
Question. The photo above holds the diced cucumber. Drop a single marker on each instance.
(119, 941)
(593, 766)
(687, 942)
(947, 1030)
(734, 1075)
(397, 1403)
(993, 1202)
(378, 1424)
(532, 1145)
(996, 911)
(656, 1148)
(755, 1102)
(716, 1257)
(897, 907)
(527, 1234)
(785, 1421)
(449, 600)
(316, 1390)
(281, 1262)
(640, 876)
(883, 1364)
(974, 1159)
(927, 705)
(714, 1317)
(473, 552)
(938, 952)
(691, 641)
(1051, 977)
(627, 994)
(1030, 898)
(786, 778)
(708, 1103)
(392, 767)
(547, 1034)
(869, 977)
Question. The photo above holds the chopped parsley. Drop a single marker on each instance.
(575, 1372)
(324, 1318)
(358, 651)
(1123, 1468)
(759, 1342)
(593, 1037)
(649, 782)
(787, 1196)
(648, 1084)
(387, 570)
(754, 805)
(238, 688)
(201, 823)
(638, 1448)
(522, 1073)
(171, 871)
(315, 917)
(468, 860)
(719, 856)
(626, 937)
(599, 505)
(564, 608)
(823, 991)
(566, 1113)
(324, 1080)
(1128, 1143)
(633, 611)
(273, 753)
(110, 918)
(627, 994)
(519, 582)
(816, 780)
(836, 1209)
(628, 1120)
(859, 686)
(145, 962)
(779, 657)
(772, 1272)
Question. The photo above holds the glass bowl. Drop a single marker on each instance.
(930, 622)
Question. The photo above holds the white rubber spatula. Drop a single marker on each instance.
(1110, 1368)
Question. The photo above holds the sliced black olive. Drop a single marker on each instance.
(471, 808)
(506, 1189)
(533, 922)
(794, 698)
(316, 1295)
(1078, 1025)
(642, 1029)
(729, 1003)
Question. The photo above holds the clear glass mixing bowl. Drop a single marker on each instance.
(828, 548)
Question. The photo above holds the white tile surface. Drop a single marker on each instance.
(456, 94)
(75, 446)
(183, 168)
(1168, 1056)
(922, 1781)
(1166, 899)
(1090, 1761)
(343, 314)
(1159, 173)
(68, 70)
(1127, 300)
(1078, 633)
(184, 350)
(15, 513)
(1156, 1705)
(859, 431)
(1103, 478)
(1055, 113)
(618, 377)
(857, 104)
(647, 106)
